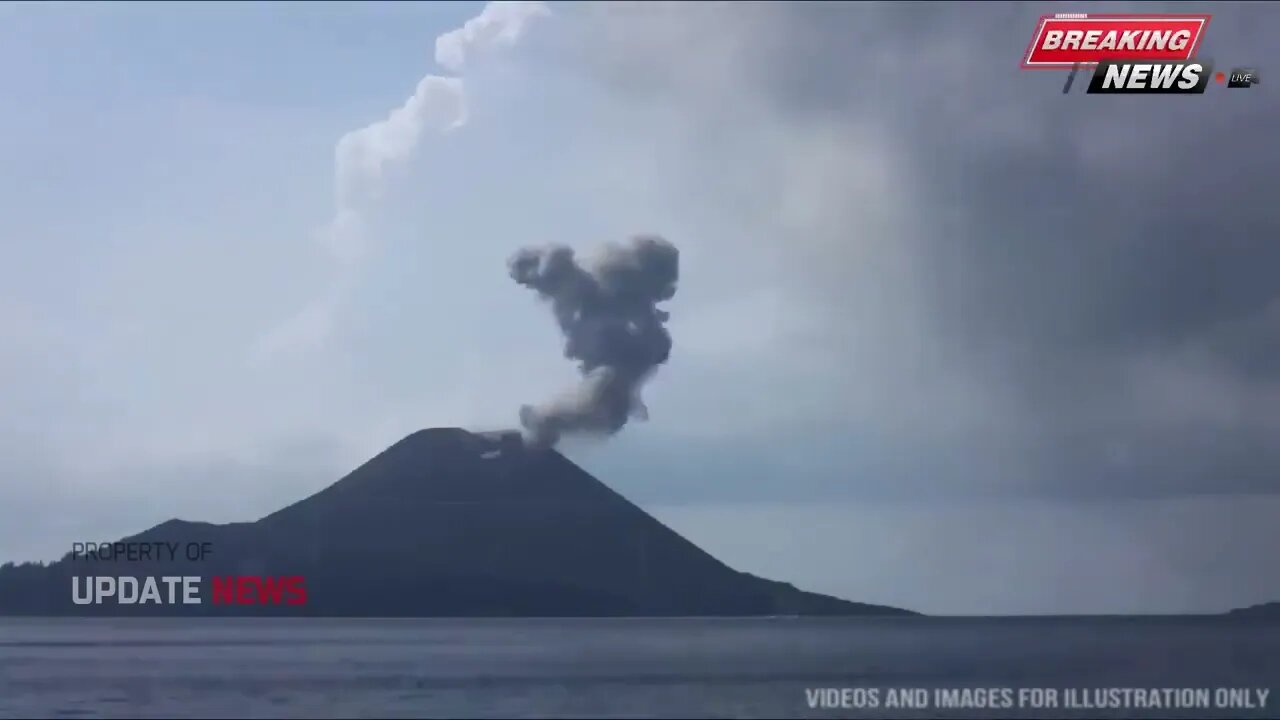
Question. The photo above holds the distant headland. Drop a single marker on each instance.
(1265, 610)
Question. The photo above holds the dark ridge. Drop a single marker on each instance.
(1269, 610)
(449, 523)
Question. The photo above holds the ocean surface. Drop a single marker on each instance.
(171, 668)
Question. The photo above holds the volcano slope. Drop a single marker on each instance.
(448, 523)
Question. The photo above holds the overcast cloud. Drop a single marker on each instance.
(1077, 290)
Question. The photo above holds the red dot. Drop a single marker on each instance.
(1220, 77)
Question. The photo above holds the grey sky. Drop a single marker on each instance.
(920, 288)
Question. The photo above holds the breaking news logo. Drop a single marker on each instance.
(1129, 54)
(1066, 41)
(1125, 77)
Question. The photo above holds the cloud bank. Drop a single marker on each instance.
(976, 275)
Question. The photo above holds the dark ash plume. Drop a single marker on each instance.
(612, 326)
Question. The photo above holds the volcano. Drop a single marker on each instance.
(448, 522)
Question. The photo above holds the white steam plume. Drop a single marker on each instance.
(438, 104)
(362, 158)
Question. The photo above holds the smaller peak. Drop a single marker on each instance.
(174, 528)
(175, 524)
(179, 522)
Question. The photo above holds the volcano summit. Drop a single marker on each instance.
(450, 523)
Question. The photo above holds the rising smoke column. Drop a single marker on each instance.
(608, 312)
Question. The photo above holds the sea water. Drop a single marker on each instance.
(593, 668)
